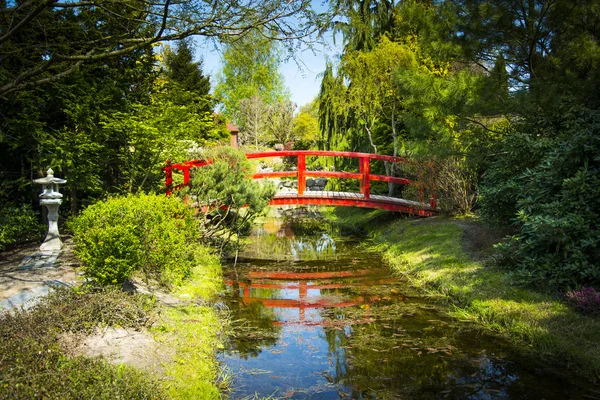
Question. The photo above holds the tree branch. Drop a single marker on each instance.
(167, 20)
(36, 11)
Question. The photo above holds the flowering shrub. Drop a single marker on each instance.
(586, 299)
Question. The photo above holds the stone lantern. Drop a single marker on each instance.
(52, 199)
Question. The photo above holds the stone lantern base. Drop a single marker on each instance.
(52, 241)
(50, 245)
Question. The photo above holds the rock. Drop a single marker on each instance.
(321, 182)
(116, 345)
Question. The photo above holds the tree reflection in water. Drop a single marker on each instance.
(311, 240)
(254, 328)
(315, 316)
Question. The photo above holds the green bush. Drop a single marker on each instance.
(555, 204)
(18, 224)
(154, 234)
(501, 184)
(559, 241)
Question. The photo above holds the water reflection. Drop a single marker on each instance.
(278, 239)
(317, 317)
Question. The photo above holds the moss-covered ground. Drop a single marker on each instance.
(36, 363)
(194, 330)
(432, 254)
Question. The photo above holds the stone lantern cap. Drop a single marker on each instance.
(50, 185)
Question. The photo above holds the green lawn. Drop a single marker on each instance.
(194, 331)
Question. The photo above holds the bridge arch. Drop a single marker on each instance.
(362, 199)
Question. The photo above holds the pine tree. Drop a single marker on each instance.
(182, 70)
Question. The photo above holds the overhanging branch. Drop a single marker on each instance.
(288, 20)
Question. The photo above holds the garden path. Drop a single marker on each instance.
(26, 274)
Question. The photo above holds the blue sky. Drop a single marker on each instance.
(302, 78)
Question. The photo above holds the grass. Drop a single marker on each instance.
(205, 281)
(33, 363)
(430, 253)
(194, 331)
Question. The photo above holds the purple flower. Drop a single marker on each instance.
(586, 299)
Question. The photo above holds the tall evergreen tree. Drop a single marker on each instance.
(186, 83)
(182, 70)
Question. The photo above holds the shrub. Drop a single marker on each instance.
(18, 224)
(154, 234)
(558, 202)
(501, 184)
(456, 184)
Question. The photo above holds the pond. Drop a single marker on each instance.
(317, 316)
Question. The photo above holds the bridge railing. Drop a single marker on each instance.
(184, 167)
(364, 175)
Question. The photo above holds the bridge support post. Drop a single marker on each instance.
(186, 176)
(433, 202)
(421, 186)
(169, 177)
(301, 176)
(433, 198)
(365, 181)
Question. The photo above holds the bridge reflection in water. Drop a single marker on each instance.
(291, 294)
(315, 316)
(296, 290)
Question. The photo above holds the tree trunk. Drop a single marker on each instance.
(392, 169)
(74, 201)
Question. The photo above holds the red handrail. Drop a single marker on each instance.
(185, 167)
(364, 175)
(293, 153)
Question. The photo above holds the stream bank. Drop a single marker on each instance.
(438, 255)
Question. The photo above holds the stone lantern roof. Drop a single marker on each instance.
(50, 186)
(50, 179)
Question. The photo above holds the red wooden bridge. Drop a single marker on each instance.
(306, 197)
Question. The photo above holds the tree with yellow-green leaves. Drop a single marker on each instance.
(306, 127)
(250, 69)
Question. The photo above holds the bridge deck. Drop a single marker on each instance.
(353, 199)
